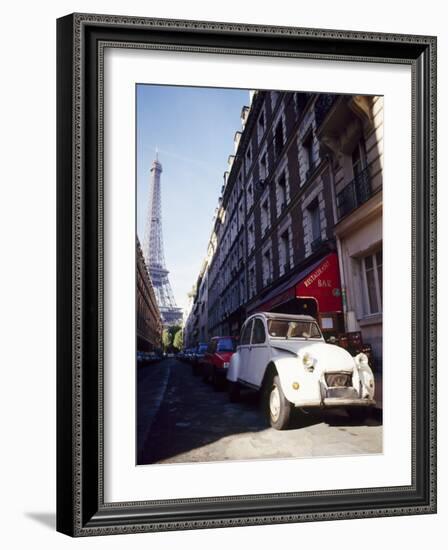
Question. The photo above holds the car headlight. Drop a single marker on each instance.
(362, 359)
(307, 360)
(226, 365)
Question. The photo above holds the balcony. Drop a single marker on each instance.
(355, 193)
(322, 107)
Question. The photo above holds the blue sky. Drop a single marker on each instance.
(193, 129)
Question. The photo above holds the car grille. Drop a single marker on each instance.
(338, 379)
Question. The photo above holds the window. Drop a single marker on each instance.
(249, 154)
(284, 251)
(308, 154)
(258, 333)
(282, 328)
(358, 163)
(242, 291)
(245, 334)
(252, 282)
(267, 267)
(240, 182)
(282, 196)
(261, 126)
(264, 166)
(250, 196)
(264, 216)
(225, 344)
(278, 138)
(314, 213)
(251, 237)
(240, 215)
(211, 346)
(300, 101)
(372, 272)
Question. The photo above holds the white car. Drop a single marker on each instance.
(287, 359)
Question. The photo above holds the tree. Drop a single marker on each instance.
(178, 339)
(167, 339)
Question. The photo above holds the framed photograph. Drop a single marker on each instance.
(246, 274)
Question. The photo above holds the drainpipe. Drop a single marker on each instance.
(338, 241)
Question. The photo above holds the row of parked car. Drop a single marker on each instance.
(193, 355)
(144, 357)
(285, 358)
(212, 360)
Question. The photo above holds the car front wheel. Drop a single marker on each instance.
(277, 407)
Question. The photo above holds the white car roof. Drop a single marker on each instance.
(287, 316)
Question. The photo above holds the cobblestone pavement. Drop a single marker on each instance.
(182, 419)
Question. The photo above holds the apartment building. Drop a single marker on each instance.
(287, 234)
(149, 321)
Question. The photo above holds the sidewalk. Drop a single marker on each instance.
(152, 381)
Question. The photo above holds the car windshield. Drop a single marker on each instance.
(226, 344)
(283, 328)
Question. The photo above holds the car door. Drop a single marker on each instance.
(258, 354)
(244, 349)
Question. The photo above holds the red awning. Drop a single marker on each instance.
(320, 281)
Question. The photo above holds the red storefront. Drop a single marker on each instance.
(315, 291)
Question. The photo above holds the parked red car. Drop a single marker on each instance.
(217, 358)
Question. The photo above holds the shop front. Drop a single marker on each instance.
(315, 291)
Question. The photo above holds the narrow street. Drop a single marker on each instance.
(182, 419)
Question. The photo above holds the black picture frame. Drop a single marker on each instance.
(81, 510)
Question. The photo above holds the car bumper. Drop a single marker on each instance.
(342, 402)
(330, 402)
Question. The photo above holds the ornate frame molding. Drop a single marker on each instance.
(81, 42)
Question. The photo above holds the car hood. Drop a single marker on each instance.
(327, 357)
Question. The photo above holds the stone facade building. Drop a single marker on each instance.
(356, 152)
(298, 223)
(149, 322)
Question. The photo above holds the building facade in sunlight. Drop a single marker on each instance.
(149, 321)
(298, 225)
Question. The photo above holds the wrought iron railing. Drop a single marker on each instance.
(355, 193)
(323, 104)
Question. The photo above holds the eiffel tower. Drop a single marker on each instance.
(154, 254)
